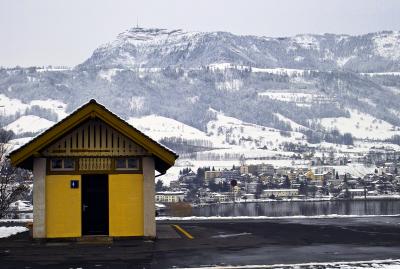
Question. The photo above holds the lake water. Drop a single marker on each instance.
(280, 208)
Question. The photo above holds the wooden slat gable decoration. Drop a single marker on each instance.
(94, 138)
(54, 141)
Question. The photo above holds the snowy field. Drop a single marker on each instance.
(12, 106)
(29, 123)
(362, 126)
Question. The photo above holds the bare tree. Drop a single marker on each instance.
(11, 188)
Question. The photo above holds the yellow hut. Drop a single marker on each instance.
(93, 175)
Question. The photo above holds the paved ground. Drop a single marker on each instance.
(219, 243)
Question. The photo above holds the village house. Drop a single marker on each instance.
(216, 197)
(93, 175)
(244, 169)
(280, 193)
(170, 196)
(253, 187)
(266, 169)
(208, 175)
(230, 174)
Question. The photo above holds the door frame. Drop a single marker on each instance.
(107, 197)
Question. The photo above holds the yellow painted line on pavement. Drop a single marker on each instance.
(179, 228)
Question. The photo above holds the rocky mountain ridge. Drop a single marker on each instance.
(138, 47)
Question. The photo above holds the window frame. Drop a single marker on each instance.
(51, 168)
(126, 168)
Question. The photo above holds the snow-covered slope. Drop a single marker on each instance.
(29, 124)
(362, 125)
(292, 124)
(12, 106)
(234, 132)
(56, 106)
(158, 127)
(224, 132)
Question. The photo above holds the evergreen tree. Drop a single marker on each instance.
(159, 185)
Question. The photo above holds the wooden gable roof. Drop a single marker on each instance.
(23, 156)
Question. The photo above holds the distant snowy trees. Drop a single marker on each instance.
(182, 145)
(333, 136)
(45, 113)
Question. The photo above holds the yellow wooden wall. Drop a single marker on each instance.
(125, 204)
(63, 206)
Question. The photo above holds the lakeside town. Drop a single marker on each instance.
(322, 179)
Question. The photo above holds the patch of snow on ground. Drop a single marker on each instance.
(21, 206)
(193, 99)
(221, 66)
(9, 231)
(229, 235)
(108, 74)
(356, 169)
(378, 264)
(9, 106)
(306, 41)
(55, 105)
(388, 45)
(361, 125)
(288, 96)
(280, 71)
(52, 69)
(343, 60)
(234, 132)
(16, 220)
(29, 123)
(294, 125)
(230, 85)
(275, 71)
(299, 58)
(368, 101)
(382, 74)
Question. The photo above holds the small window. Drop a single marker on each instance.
(120, 163)
(126, 164)
(56, 164)
(69, 164)
(133, 163)
(62, 164)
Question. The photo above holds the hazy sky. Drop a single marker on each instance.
(65, 32)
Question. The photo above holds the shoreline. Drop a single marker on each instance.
(260, 218)
(242, 201)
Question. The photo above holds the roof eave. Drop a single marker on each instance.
(20, 156)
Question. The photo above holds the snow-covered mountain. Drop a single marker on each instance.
(220, 91)
(149, 48)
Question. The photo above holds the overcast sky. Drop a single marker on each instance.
(65, 32)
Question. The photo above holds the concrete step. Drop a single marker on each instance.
(95, 239)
